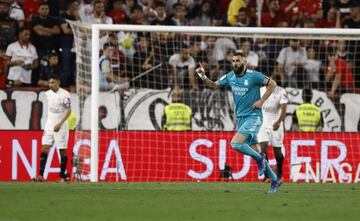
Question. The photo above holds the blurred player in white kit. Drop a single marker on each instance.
(272, 130)
(56, 130)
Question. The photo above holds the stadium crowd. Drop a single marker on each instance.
(36, 41)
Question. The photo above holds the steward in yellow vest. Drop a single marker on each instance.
(176, 116)
(307, 117)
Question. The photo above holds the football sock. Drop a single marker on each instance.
(279, 163)
(266, 156)
(246, 149)
(63, 165)
(269, 172)
(43, 158)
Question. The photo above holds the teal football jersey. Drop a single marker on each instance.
(245, 90)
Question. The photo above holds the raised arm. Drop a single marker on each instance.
(209, 83)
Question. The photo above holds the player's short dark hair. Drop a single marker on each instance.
(239, 53)
(21, 30)
(307, 95)
(106, 45)
(54, 76)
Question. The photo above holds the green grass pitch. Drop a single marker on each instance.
(178, 201)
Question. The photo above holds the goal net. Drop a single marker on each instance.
(126, 75)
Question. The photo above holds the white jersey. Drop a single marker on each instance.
(271, 107)
(21, 52)
(176, 60)
(58, 102)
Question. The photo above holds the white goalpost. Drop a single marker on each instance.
(127, 143)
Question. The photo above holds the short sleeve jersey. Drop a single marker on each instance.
(271, 107)
(57, 102)
(245, 90)
(21, 52)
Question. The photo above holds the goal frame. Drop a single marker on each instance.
(300, 33)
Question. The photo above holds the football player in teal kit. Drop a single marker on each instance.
(245, 85)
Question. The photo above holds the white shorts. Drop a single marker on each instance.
(58, 139)
(275, 138)
(18, 73)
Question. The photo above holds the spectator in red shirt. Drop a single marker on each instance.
(274, 16)
(299, 11)
(117, 14)
(342, 51)
(332, 20)
(310, 9)
(340, 73)
(289, 7)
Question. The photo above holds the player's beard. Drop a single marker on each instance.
(239, 70)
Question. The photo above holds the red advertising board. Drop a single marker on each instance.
(182, 156)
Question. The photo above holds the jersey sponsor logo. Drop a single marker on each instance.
(55, 110)
(239, 90)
